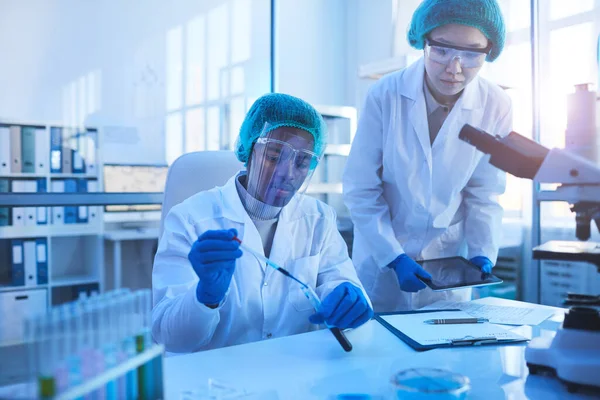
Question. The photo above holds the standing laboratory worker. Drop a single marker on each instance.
(208, 293)
(414, 189)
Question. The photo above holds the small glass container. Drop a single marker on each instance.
(430, 383)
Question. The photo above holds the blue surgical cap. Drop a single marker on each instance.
(279, 110)
(484, 15)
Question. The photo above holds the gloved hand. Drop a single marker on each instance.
(213, 258)
(407, 271)
(484, 263)
(345, 307)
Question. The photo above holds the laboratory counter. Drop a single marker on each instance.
(314, 366)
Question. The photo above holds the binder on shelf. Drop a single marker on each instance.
(5, 262)
(30, 262)
(30, 212)
(17, 272)
(42, 152)
(90, 151)
(82, 211)
(42, 212)
(58, 213)
(76, 158)
(93, 211)
(42, 260)
(79, 153)
(70, 211)
(56, 149)
(67, 153)
(28, 149)
(4, 150)
(5, 211)
(18, 213)
(15, 149)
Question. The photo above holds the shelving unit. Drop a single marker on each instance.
(74, 251)
(326, 183)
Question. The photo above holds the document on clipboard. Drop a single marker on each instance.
(411, 327)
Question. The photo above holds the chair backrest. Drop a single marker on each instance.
(195, 172)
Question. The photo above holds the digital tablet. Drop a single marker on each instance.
(455, 273)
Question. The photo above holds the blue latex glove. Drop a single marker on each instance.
(484, 263)
(345, 307)
(407, 271)
(213, 258)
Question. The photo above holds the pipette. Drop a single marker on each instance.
(306, 289)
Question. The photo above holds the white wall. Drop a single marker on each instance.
(102, 63)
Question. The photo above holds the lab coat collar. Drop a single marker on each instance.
(233, 208)
(411, 86)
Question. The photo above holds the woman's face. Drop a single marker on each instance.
(447, 80)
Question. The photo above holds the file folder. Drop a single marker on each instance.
(409, 326)
(82, 211)
(42, 261)
(70, 211)
(30, 262)
(90, 151)
(76, 158)
(30, 212)
(56, 149)
(42, 152)
(4, 150)
(15, 149)
(93, 211)
(42, 212)
(4, 211)
(67, 152)
(58, 213)
(17, 273)
(79, 155)
(18, 213)
(28, 149)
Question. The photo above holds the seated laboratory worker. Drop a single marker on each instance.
(208, 292)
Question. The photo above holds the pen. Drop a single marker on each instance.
(456, 321)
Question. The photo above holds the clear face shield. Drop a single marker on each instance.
(443, 53)
(281, 165)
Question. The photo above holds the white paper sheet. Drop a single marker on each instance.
(414, 326)
(497, 314)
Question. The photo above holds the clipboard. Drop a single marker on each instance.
(467, 340)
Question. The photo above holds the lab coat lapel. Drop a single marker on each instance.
(283, 240)
(411, 86)
(234, 210)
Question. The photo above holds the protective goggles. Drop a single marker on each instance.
(277, 151)
(443, 53)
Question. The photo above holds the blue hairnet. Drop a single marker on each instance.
(484, 15)
(279, 110)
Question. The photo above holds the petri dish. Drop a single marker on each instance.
(430, 383)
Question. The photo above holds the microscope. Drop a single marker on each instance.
(573, 355)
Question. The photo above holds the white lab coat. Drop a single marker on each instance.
(407, 196)
(261, 303)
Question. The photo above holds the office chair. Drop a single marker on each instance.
(195, 172)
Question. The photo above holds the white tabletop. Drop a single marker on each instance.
(314, 366)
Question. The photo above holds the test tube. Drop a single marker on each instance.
(144, 342)
(44, 331)
(129, 345)
(107, 347)
(75, 339)
(59, 322)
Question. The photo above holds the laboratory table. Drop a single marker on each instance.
(314, 366)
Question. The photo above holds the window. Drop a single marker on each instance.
(210, 62)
